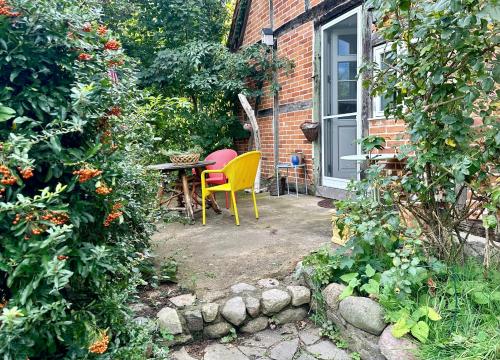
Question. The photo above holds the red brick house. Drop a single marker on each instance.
(327, 40)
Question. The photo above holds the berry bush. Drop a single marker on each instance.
(74, 194)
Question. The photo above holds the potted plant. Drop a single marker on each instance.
(185, 157)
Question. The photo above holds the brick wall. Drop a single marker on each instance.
(286, 10)
(258, 18)
(393, 131)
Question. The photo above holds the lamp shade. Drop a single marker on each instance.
(267, 37)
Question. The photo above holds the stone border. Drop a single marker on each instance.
(253, 308)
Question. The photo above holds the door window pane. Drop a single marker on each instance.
(347, 70)
(347, 107)
(347, 45)
(347, 90)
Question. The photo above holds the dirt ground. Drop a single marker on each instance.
(213, 257)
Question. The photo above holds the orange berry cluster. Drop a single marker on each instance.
(115, 63)
(101, 345)
(115, 214)
(56, 218)
(87, 27)
(86, 174)
(84, 57)
(26, 173)
(112, 45)
(102, 30)
(6, 9)
(8, 178)
(37, 231)
(103, 190)
(115, 110)
(62, 257)
(2, 191)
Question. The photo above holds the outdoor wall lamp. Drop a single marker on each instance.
(267, 37)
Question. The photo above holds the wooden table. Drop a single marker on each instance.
(184, 170)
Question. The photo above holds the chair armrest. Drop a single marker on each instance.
(204, 172)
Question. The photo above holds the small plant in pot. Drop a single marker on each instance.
(183, 157)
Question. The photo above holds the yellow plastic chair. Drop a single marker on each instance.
(240, 173)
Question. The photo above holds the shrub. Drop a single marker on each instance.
(72, 223)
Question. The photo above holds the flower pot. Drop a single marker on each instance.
(310, 130)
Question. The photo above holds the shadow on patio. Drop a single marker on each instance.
(215, 256)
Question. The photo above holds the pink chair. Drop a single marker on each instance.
(221, 158)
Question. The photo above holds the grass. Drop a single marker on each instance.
(469, 303)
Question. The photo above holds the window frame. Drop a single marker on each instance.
(377, 53)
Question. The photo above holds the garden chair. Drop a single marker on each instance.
(240, 173)
(221, 158)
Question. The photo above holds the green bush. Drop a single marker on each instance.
(74, 195)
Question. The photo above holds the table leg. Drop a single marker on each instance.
(214, 204)
(278, 181)
(296, 182)
(187, 197)
(305, 178)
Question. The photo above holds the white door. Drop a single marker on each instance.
(341, 97)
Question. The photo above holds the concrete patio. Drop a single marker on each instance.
(215, 256)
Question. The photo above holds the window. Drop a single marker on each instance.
(381, 56)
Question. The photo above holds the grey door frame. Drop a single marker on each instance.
(330, 181)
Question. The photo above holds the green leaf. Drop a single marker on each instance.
(369, 271)
(495, 296)
(6, 113)
(347, 292)
(400, 328)
(430, 313)
(348, 277)
(480, 298)
(372, 287)
(420, 331)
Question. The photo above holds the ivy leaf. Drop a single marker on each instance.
(420, 331)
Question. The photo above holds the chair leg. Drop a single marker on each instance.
(203, 208)
(227, 200)
(233, 198)
(255, 204)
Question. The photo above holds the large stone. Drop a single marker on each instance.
(362, 342)
(309, 335)
(274, 300)
(303, 274)
(290, 315)
(331, 295)
(253, 306)
(268, 283)
(209, 311)
(306, 356)
(223, 352)
(325, 350)
(176, 340)
(169, 320)
(255, 325)
(284, 350)
(363, 313)
(194, 319)
(181, 354)
(235, 311)
(253, 352)
(183, 301)
(263, 339)
(300, 295)
(242, 287)
(396, 349)
(139, 308)
(218, 330)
